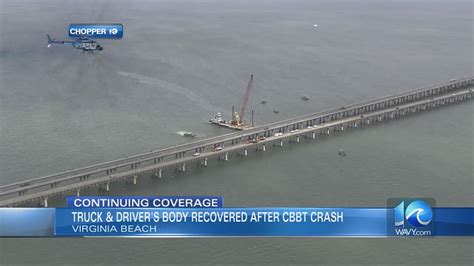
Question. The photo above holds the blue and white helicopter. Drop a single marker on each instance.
(84, 43)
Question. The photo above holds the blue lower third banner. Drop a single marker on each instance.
(210, 222)
(331, 222)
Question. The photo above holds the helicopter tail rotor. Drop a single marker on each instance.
(50, 41)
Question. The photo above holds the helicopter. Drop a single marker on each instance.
(84, 43)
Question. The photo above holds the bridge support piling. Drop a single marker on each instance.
(78, 193)
(246, 152)
(183, 167)
(263, 147)
(297, 139)
(205, 162)
(313, 135)
(158, 173)
(45, 202)
(135, 179)
(226, 156)
(107, 187)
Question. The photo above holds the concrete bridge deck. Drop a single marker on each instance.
(308, 126)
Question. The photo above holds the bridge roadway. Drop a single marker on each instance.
(315, 124)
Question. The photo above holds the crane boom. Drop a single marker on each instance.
(246, 98)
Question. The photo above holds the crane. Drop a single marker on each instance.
(238, 117)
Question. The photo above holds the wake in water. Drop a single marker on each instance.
(164, 85)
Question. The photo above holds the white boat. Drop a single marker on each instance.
(186, 134)
(217, 119)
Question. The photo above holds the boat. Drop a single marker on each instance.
(186, 134)
(276, 111)
(217, 119)
(189, 134)
(304, 98)
(341, 153)
(263, 102)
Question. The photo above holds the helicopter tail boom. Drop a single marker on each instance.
(51, 41)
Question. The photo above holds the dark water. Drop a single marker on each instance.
(182, 61)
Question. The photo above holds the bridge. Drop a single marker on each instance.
(223, 147)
